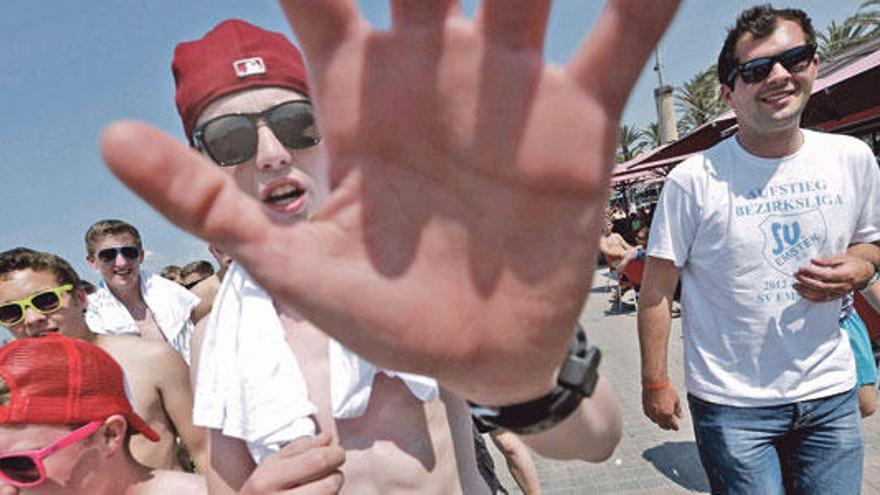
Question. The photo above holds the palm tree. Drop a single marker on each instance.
(699, 100)
(651, 133)
(838, 37)
(868, 15)
(630, 143)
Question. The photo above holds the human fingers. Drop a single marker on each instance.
(327, 485)
(320, 28)
(303, 462)
(660, 408)
(181, 185)
(610, 60)
(829, 261)
(419, 13)
(304, 444)
(515, 24)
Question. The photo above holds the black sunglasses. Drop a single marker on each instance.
(794, 60)
(232, 139)
(108, 255)
(195, 283)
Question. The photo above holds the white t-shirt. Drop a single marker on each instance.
(738, 227)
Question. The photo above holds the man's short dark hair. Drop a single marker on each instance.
(21, 258)
(171, 272)
(103, 228)
(201, 266)
(759, 21)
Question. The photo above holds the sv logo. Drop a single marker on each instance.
(785, 235)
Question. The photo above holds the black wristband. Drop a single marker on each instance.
(577, 379)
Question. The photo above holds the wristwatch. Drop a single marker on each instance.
(577, 380)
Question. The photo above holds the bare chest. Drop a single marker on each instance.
(147, 326)
(399, 444)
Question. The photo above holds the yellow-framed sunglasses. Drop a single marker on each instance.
(44, 302)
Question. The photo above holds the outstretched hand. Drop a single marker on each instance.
(468, 178)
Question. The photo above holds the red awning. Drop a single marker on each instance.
(848, 96)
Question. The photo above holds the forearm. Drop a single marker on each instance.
(654, 322)
(870, 253)
(655, 319)
(590, 433)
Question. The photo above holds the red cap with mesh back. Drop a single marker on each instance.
(59, 380)
(235, 55)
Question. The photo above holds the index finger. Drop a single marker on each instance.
(611, 58)
(181, 185)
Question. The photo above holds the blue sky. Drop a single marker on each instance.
(71, 67)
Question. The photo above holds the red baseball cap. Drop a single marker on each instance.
(59, 380)
(235, 55)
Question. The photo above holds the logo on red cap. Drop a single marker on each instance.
(249, 67)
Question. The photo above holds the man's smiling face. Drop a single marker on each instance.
(23, 284)
(120, 273)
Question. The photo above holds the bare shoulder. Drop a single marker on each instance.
(165, 482)
(135, 352)
(207, 288)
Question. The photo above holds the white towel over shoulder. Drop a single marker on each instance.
(249, 384)
(170, 303)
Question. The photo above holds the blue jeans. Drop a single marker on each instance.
(811, 447)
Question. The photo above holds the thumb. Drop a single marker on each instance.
(678, 412)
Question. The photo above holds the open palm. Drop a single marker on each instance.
(468, 185)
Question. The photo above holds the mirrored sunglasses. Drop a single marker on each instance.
(45, 302)
(232, 139)
(794, 60)
(26, 469)
(108, 255)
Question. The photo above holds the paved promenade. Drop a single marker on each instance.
(648, 459)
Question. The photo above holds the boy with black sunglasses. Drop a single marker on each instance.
(453, 198)
(768, 231)
(130, 301)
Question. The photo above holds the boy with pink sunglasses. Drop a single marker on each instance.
(66, 423)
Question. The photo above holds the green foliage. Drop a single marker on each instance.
(698, 101)
(630, 142)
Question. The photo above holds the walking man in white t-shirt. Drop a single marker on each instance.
(767, 231)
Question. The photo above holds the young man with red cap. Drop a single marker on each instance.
(66, 424)
(453, 199)
(41, 294)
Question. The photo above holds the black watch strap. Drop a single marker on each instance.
(577, 379)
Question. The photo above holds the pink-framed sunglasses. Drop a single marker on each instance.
(26, 469)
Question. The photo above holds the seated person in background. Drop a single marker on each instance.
(130, 301)
(613, 246)
(194, 272)
(866, 369)
(66, 423)
(172, 273)
(40, 294)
